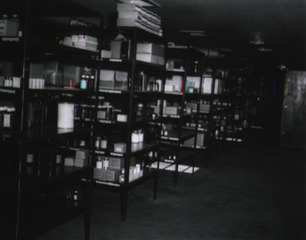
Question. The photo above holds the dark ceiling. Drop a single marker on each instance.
(232, 24)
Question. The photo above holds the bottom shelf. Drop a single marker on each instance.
(146, 174)
(44, 211)
(171, 167)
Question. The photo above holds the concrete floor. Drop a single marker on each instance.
(248, 191)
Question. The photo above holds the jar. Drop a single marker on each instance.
(99, 163)
(121, 177)
(140, 136)
(103, 143)
(92, 82)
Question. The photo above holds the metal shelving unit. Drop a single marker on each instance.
(36, 189)
(123, 102)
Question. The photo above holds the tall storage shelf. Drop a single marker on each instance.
(128, 116)
(229, 100)
(237, 118)
(234, 103)
(180, 107)
(42, 164)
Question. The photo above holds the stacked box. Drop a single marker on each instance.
(150, 52)
(133, 15)
(9, 27)
(111, 79)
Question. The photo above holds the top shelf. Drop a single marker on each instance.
(58, 8)
(57, 51)
(42, 132)
(142, 3)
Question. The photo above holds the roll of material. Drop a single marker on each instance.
(65, 117)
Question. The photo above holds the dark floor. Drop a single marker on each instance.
(251, 190)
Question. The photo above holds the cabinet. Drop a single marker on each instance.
(127, 133)
(43, 164)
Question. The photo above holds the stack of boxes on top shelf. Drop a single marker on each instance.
(151, 53)
(133, 15)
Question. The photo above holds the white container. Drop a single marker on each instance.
(65, 115)
(140, 136)
(135, 137)
(99, 164)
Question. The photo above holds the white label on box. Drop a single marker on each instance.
(121, 118)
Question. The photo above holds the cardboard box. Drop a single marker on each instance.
(121, 80)
(97, 173)
(82, 154)
(69, 161)
(169, 110)
(107, 79)
(78, 162)
(112, 175)
(107, 75)
(148, 57)
(120, 49)
(38, 70)
(9, 27)
(120, 147)
(151, 48)
(121, 117)
(116, 163)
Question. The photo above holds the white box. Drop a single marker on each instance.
(121, 117)
(207, 85)
(16, 82)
